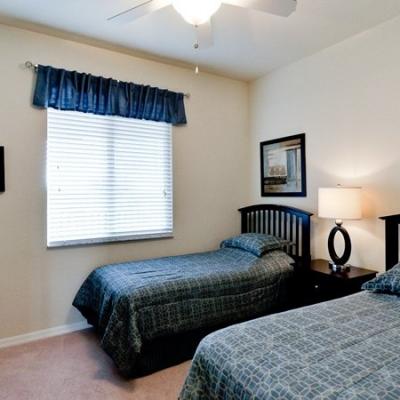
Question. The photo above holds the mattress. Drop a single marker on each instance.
(342, 349)
(136, 302)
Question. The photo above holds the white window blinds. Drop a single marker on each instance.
(109, 178)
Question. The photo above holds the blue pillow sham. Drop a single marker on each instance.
(255, 243)
(389, 282)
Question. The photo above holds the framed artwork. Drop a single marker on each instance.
(2, 183)
(283, 166)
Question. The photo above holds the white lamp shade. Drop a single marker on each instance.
(339, 203)
(196, 12)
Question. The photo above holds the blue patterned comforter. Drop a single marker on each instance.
(342, 349)
(139, 301)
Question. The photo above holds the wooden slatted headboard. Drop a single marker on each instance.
(392, 223)
(285, 222)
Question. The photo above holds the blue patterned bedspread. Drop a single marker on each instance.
(342, 349)
(139, 301)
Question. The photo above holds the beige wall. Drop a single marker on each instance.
(347, 100)
(210, 160)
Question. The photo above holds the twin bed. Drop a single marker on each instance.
(343, 349)
(152, 314)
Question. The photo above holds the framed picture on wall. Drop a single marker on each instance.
(2, 183)
(283, 166)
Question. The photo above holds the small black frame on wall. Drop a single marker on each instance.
(2, 180)
(283, 167)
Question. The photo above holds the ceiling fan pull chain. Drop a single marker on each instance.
(196, 47)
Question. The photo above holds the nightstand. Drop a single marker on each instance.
(321, 284)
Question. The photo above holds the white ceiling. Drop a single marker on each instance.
(247, 44)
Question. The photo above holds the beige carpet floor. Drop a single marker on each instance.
(73, 367)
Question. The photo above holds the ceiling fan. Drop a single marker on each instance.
(199, 12)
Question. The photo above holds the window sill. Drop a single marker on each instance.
(114, 239)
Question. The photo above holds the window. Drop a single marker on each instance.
(109, 179)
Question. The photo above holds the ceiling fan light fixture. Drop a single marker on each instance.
(196, 12)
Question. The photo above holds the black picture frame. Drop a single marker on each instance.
(2, 174)
(287, 176)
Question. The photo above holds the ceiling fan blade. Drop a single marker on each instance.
(282, 8)
(142, 8)
(204, 35)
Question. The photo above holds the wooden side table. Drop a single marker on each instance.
(321, 284)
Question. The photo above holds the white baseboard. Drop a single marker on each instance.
(43, 334)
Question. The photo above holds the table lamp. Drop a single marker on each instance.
(339, 203)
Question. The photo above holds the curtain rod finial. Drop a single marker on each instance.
(30, 65)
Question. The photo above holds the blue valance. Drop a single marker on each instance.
(71, 90)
